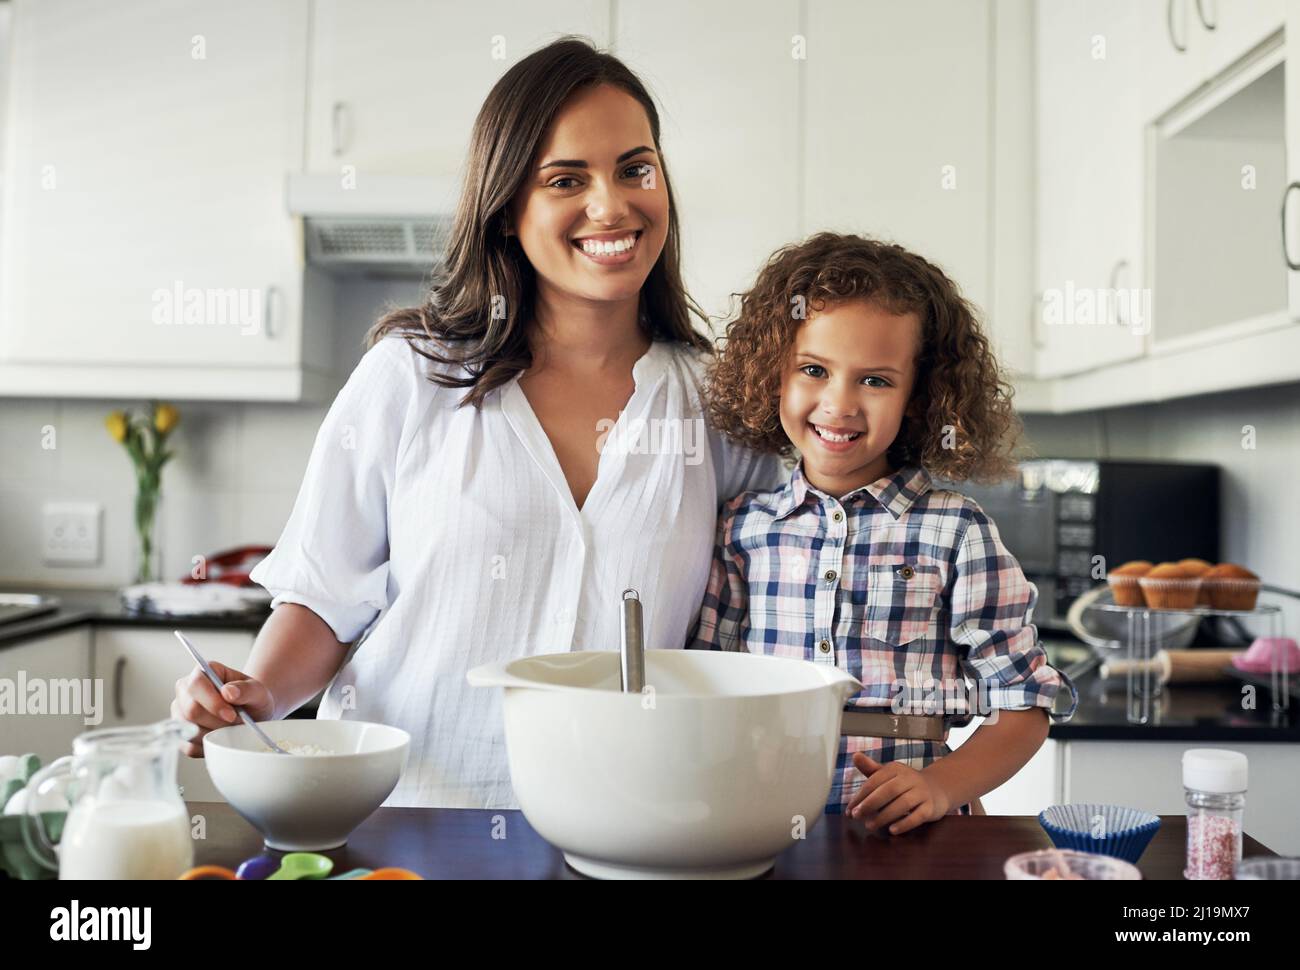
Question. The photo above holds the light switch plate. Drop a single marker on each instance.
(71, 533)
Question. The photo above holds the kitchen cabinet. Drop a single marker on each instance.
(147, 248)
(1237, 27)
(1218, 177)
(1189, 42)
(139, 668)
(1031, 789)
(1089, 223)
(1175, 43)
(1290, 211)
(1149, 776)
(897, 131)
(736, 187)
(60, 664)
(1176, 174)
(395, 85)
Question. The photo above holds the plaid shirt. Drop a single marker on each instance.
(905, 586)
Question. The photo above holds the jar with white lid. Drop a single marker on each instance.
(1214, 783)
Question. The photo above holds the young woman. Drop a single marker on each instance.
(509, 457)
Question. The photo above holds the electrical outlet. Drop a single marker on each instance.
(71, 531)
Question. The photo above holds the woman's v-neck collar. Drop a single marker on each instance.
(646, 373)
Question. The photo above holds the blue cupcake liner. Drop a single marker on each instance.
(1128, 830)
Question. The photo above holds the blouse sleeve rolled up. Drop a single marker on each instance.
(332, 556)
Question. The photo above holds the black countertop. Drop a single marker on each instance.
(1184, 712)
(104, 608)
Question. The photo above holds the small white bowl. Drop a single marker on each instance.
(305, 803)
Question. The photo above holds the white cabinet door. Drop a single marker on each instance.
(897, 100)
(1187, 42)
(396, 84)
(1092, 308)
(58, 699)
(1175, 47)
(139, 667)
(1291, 200)
(146, 220)
(1148, 775)
(732, 156)
(1238, 26)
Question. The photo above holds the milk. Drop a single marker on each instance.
(127, 839)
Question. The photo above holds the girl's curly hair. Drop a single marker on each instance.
(965, 428)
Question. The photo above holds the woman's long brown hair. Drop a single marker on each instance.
(478, 311)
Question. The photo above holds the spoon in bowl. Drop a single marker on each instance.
(216, 682)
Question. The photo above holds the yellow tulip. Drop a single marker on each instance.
(116, 424)
(166, 418)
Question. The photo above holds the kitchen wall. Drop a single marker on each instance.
(233, 481)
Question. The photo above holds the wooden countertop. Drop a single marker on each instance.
(447, 843)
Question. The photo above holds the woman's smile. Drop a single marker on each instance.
(609, 248)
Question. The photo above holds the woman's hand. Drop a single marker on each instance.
(896, 796)
(198, 702)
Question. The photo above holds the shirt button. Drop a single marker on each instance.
(824, 646)
(838, 516)
(830, 575)
(907, 572)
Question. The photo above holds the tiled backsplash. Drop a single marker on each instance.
(233, 481)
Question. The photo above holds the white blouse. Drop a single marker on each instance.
(451, 535)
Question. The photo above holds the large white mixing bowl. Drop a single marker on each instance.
(712, 772)
(304, 803)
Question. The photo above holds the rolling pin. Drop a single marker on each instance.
(1177, 666)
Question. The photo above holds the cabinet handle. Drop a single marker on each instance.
(118, 669)
(1169, 22)
(1200, 12)
(338, 120)
(1114, 288)
(1286, 252)
(268, 311)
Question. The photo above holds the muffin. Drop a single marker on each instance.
(1170, 586)
(1124, 582)
(1231, 587)
(1201, 567)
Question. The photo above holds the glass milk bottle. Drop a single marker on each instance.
(126, 819)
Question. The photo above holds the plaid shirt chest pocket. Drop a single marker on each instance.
(902, 601)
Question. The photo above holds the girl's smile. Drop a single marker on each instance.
(835, 439)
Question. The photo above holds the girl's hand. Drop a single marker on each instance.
(896, 796)
(198, 702)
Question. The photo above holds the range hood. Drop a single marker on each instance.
(386, 223)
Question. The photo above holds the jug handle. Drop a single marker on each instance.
(35, 838)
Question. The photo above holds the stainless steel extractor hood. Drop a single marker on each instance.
(389, 223)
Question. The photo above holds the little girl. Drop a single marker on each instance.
(863, 358)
